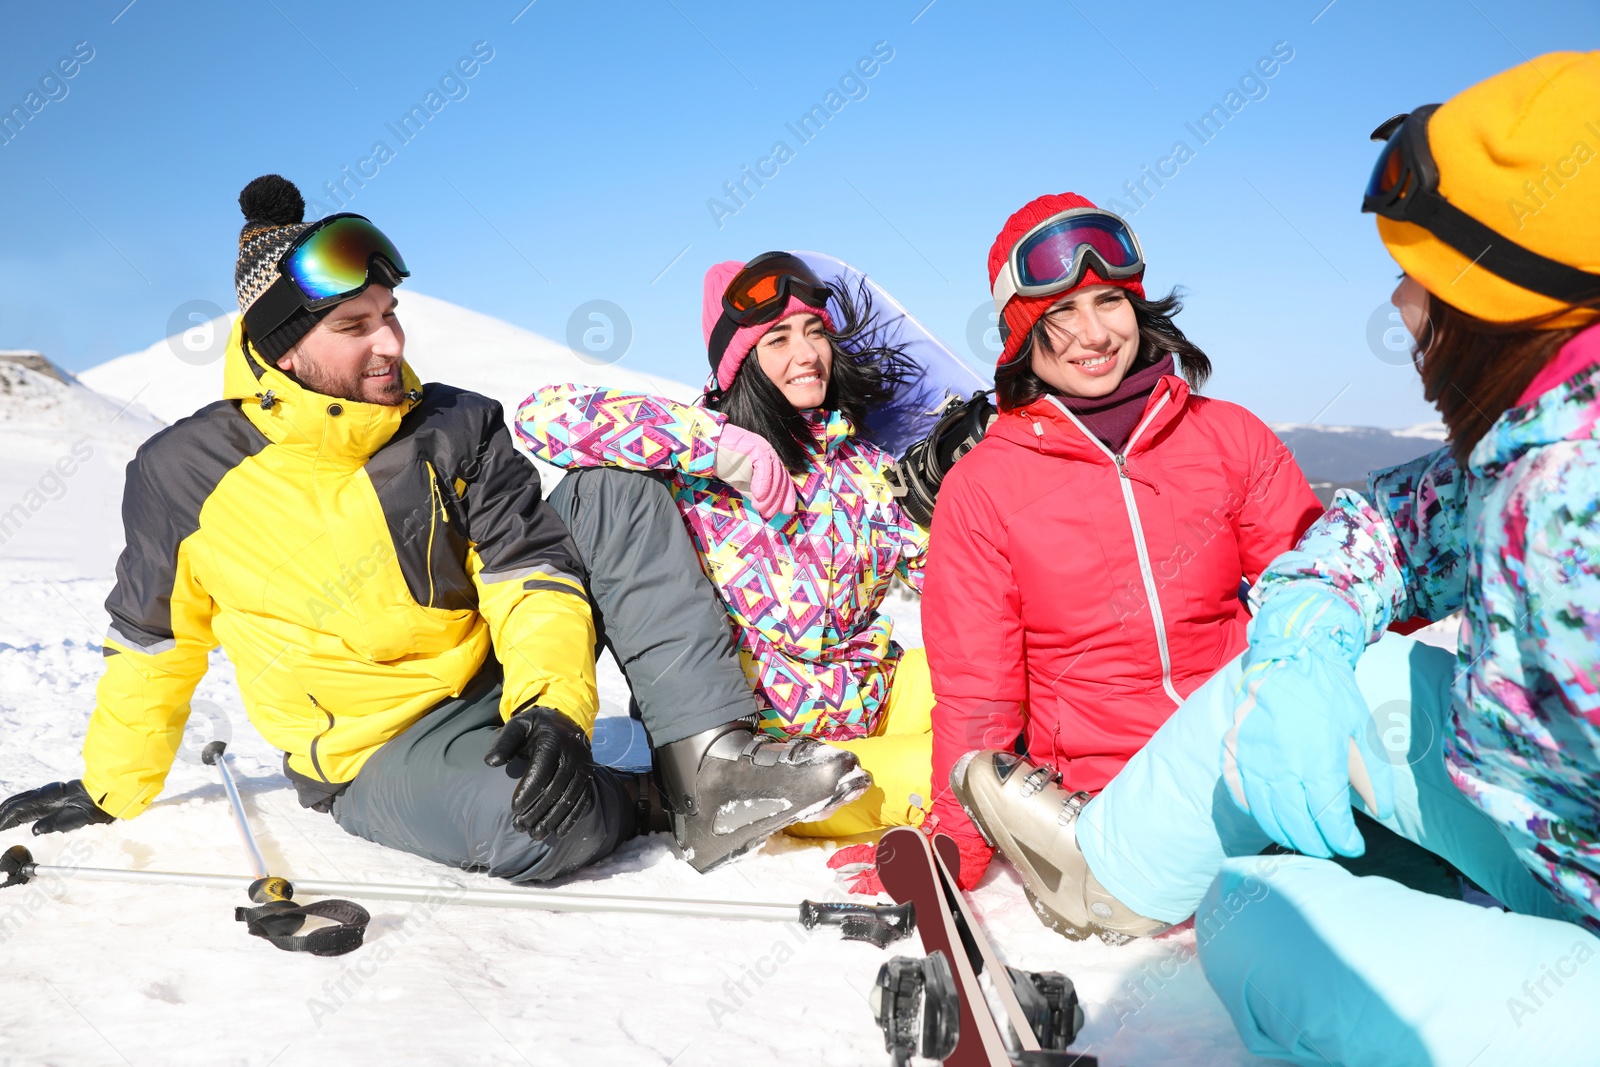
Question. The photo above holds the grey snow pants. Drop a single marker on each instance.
(428, 791)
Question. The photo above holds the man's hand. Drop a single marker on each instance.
(1299, 739)
(59, 807)
(554, 792)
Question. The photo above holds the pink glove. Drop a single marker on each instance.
(857, 865)
(747, 462)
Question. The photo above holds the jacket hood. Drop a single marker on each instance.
(1562, 404)
(1044, 427)
(295, 417)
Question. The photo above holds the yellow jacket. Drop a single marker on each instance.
(355, 561)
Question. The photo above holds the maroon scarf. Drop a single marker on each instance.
(1113, 417)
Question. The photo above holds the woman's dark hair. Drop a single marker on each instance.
(1017, 386)
(1473, 370)
(866, 368)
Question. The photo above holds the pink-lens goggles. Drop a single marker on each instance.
(1053, 256)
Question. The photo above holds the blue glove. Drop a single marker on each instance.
(1299, 740)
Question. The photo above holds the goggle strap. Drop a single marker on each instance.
(274, 307)
(721, 335)
(1502, 256)
(1005, 287)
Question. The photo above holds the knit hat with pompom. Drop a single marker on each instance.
(274, 215)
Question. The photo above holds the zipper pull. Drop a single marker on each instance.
(1122, 464)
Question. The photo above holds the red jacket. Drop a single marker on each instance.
(1076, 597)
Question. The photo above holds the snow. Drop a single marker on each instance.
(107, 974)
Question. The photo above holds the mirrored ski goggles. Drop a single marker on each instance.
(761, 291)
(1053, 256)
(1405, 187)
(332, 261)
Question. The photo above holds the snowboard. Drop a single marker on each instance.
(939, 372)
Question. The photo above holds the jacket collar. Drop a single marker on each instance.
(1045, 426)
(297, 418)
(1562, 404)
(829, 428)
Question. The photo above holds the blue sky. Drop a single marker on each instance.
(581, 158)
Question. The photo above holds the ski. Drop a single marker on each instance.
(910, 875)
(1041, 1009)
(942, 1007)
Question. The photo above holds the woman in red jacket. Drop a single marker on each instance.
(1087, 555)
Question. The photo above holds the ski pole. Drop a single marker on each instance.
(278, 918)
(878, 923)
(215, 755)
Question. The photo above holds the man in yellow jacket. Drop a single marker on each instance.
(407, 617)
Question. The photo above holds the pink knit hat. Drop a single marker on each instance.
(745, 337)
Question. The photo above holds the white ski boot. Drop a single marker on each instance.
(731, 787)
(1022, 810)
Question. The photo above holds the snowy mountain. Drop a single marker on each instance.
(61, 483)
(1342, 456)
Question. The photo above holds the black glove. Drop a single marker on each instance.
(554, 792)
(59, 807)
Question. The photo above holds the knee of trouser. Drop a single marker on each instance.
(597, 504)
(1238, 906)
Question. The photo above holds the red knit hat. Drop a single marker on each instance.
(1022, 312)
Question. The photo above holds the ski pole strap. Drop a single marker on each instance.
(279, 921)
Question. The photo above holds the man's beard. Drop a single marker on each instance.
(353, 386)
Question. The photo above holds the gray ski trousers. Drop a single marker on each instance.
(428, 791)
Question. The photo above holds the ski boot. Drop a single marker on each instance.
(1022, 810)
(731, 787)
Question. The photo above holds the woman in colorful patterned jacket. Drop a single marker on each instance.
(790, 513)
(1489, 758)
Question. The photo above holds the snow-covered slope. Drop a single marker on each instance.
(96, 973)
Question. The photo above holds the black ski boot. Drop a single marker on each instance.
(731, 787)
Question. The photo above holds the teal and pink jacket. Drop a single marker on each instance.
(1513, 543)
(803, 591)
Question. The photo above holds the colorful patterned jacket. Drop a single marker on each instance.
(803, 591)
(1512, 543)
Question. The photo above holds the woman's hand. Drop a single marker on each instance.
(1300, 735)
(748, 463)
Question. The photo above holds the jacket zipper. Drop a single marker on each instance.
(438, 509)
(314, 761)
(1139, 546)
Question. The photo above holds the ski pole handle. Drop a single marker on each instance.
(881, 924)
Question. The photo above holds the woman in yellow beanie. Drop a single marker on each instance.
(1491, 757)
(1491, 204)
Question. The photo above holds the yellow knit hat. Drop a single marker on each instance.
(1520, 153)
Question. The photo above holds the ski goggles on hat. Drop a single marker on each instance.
(1054, 255)
(1405, 187)
(761, 291)
(332, 261)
